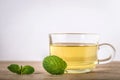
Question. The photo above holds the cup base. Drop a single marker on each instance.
(78, 71)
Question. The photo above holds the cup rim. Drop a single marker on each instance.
(74, 33)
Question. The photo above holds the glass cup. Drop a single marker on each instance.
(79, 50)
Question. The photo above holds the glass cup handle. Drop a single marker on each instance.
(111, 56)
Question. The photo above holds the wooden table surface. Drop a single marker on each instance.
(109, 71)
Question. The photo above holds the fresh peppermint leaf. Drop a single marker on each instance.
(21, 69)
(54, 65)
(27, 70)
(14, 68)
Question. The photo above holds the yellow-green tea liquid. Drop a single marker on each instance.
(80, 57)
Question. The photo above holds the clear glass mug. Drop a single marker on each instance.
(79, 50)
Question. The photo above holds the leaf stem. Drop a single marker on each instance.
(21, 70)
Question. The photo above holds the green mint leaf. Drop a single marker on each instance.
(54, 65)
(27, 69)
(20, 69)
(14, 68)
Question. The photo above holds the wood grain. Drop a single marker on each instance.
(109, 71)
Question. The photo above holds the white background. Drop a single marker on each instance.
(25, 24)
